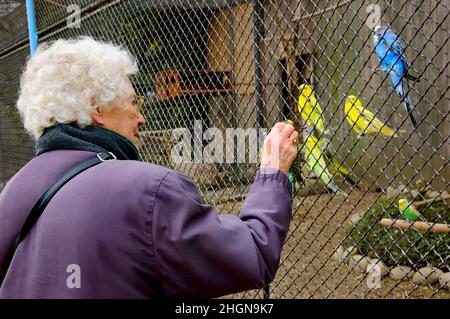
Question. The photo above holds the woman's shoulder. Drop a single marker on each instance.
(138, 167)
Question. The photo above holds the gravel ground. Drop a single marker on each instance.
(307, 268)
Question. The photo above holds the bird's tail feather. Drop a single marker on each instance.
(403, 92)
(408, 107)
(335, 189)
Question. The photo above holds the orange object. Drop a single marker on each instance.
(169, 84)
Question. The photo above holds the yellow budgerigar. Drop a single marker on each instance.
(309, 108)
(363, 121)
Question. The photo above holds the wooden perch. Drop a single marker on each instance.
(321, 12)
(419, 226)
(431, 200)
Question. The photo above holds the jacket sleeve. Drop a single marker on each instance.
(200, 253)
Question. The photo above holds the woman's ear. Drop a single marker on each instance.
(98, 116)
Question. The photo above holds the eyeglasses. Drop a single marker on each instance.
(138, 102)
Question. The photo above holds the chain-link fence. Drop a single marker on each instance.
(239, 67)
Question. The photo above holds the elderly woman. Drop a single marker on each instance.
(124, 228)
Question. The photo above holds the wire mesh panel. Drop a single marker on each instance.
(365, 83)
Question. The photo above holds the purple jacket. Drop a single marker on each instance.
(129, 229)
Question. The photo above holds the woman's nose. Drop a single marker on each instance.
(141, 120)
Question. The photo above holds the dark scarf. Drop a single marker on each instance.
(92, 138)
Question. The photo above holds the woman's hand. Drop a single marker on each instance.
(279, 148)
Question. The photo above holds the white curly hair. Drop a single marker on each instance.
(66, 81)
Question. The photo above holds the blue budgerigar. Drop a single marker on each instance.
(390, 50)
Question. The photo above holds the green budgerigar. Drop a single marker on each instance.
(408, 210)
(317, 164)
(295, 172)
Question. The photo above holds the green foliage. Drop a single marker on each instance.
(402, 247)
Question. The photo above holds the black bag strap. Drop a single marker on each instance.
(40, 205)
